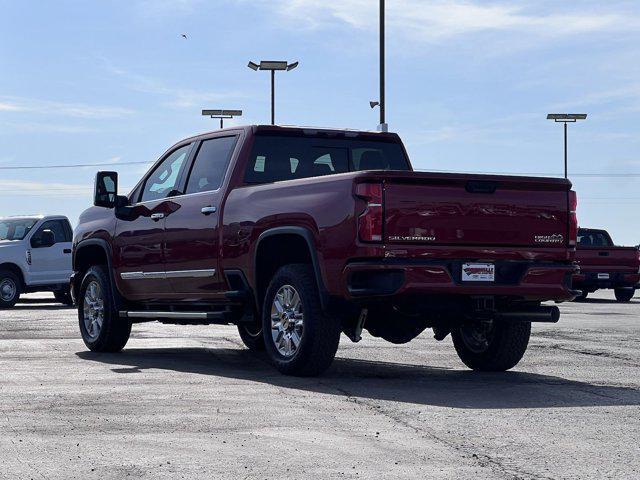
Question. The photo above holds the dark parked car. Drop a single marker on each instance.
(297, 234)
(603, 265)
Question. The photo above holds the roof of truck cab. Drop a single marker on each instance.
(300, 130)
(34, 217)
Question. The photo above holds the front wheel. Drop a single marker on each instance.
(100, 326)
(582, 297)
(9, 289)
(491, 346)
(299, 338)
(252, 337)
(624, 294)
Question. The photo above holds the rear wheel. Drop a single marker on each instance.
(64, 297)
(299, 338)
(100, 326)
(491, 346)
(624, 294)
(9, 289)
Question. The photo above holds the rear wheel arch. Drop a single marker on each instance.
(281, 246)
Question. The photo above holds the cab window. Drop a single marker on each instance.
(164, 179)
(60, 228)
(210, 164)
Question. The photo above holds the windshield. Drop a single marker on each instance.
(16, 229)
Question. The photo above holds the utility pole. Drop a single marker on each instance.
(383, 127)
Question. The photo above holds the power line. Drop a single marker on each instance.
(78, 165)
(536, 174)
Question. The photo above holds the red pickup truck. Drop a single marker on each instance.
(603, 265)
(297, 235)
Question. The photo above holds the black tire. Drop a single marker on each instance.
(624, 294)
(505, 346)
(252, 337)
(64, 297)
(10, 286)
(320, 335)
(114, 332)
(582, 297)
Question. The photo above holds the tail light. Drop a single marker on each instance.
(573, 218)
(370, 221)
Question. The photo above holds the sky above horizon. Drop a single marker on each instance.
(469, 84)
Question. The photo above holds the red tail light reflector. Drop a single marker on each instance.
(573, 218)
(370, 221)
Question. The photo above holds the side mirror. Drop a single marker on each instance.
(45, 239)
(106, 189)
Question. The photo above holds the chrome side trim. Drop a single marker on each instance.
(191, 273)
(132, 275)
(170, 274)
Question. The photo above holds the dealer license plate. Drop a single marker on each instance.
(478, 272)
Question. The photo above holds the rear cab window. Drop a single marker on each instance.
(594, 238)
(286, 157)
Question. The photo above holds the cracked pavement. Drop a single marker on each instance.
(191, 402)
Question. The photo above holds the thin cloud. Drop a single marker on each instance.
(175, 97)
(61, 109)
(438, 21)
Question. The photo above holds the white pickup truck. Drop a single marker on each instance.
(35, 256)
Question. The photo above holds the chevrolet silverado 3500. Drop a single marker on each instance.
(297, 235)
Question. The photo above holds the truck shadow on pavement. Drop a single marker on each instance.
(362, 381)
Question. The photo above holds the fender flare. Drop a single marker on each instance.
(104, 245)
(306, 234)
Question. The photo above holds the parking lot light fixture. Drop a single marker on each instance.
(566, 118)
(222, 115)
(273, 66)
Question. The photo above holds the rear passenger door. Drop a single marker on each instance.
(192, 231)
(51, 264)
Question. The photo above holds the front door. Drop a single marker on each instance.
(139, 241)
(50, 264)
(192, 231)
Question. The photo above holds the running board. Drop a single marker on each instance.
(198, 318)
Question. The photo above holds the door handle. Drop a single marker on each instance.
(208, 210)
(157, 216)
(66, 250)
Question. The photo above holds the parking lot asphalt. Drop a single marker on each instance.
(192, 402)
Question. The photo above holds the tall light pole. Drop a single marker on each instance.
(273, 66)
(222, 115)
(566, 118)
(381, 103)
(383, 127)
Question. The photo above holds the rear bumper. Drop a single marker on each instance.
(528, 281)
(589, 281)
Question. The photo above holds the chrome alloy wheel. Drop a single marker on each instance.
(93, 308)
(287, 321)
(8, 289)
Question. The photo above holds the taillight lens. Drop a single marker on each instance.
(370, 221)
(573, 218)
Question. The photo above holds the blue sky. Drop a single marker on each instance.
(469, 86)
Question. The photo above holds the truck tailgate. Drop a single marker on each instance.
(457, 209)
(614, 259)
